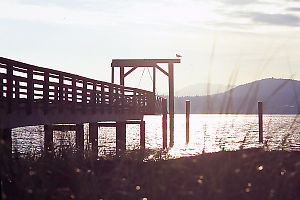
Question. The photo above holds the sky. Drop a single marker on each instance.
(221, 41)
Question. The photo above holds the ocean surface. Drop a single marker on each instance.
(208, 133)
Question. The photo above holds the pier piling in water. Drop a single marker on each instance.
(164, 122)
(121, 137)
(171, 102)
(79, 138)
(93, 137)
(260, 121)
(48, 138)
(142, 135)
(6, 140)
(188, 110)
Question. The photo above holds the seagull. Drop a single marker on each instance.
(178, 56)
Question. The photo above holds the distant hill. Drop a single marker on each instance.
(202, 89)
(279, 96)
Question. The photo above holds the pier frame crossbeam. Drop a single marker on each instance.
(133, 64)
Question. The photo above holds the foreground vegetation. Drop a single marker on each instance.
(244, 174)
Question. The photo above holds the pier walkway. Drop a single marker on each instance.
(32, 95)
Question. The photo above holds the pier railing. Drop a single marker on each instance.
(28, 87)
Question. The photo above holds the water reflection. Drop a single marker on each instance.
(208, 133)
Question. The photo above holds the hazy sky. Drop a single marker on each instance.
(251, 39)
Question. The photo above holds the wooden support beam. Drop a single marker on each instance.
(64, 127)
(164, 122)
(162, 70)
(171, 102)
(107, 124)
(188, 110)
(121, 137)
(260, 121)
(48, 139)
(79, 138)
(131, 70)
(93, 137)
(112, 74)
(122, 82)
(142, 135)
(154, 80)
(141, 62)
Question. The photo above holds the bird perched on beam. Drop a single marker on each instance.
(178, 56)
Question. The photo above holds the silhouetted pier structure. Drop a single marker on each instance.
(32, 95)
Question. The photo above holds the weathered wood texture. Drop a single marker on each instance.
(29, 88)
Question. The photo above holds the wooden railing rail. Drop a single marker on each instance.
(29, 87)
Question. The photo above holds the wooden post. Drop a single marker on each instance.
(171, 102)
(103, 97)
(93, 137)
(164, 122)
(61, 93)
(142, 135)
(84, 96)
(17, 94)
(5, 136)
(260, 121)
(121, 137)
(112, 74)
(154, 80)
(9, 88)
(79, 138)
(46, 92)
(30, 91)
(122, 76)
(1, 89)
(93, 99)
(48, 139)
(74, 94)
(188, 110)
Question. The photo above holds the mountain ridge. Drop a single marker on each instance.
(279, 96)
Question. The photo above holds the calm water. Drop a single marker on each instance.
(208, 133)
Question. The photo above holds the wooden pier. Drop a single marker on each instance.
(32, 95)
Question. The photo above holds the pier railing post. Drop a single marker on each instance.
(164, 122)
(30, 91)
(9, 88)
(46, 92)
(260, 121)
(188, 110)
